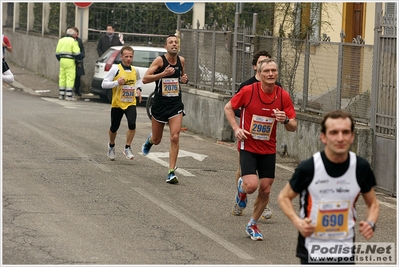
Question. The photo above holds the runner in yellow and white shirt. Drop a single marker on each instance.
(125, 81)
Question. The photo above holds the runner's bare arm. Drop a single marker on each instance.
(149, 75)
(304, 226)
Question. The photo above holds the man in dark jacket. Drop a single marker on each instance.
(109, 39)
(79, 64)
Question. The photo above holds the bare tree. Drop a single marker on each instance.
(298, 23)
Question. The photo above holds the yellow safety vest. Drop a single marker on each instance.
(67, 47)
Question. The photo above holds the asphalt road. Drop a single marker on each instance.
(65, 203)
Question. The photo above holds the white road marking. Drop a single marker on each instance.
(196, 226)
(156, 156)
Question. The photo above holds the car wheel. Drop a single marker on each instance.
(148, 105)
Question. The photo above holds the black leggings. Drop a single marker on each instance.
(116, 117)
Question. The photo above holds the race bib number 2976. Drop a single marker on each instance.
(170, 87)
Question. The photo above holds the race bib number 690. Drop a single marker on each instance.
(332, 219)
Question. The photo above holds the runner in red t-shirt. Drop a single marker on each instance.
(263, 104)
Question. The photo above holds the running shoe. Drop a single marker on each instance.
(267, 213)
(237, 210)
(128, 153)
(111, 152)
(241, 198)
(253, 232)
(145, 148)
(61, 97)
(240, 201)
(172, 178)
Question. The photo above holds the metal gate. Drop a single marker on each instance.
(383, 111)
(242, 55)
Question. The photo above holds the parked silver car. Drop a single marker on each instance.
(143, 57)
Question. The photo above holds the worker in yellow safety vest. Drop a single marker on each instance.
(67, 52)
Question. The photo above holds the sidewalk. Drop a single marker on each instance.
(35, 84)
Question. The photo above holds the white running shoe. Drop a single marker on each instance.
(237, 210)
(267, 213)
(111, 152)
(128, 153)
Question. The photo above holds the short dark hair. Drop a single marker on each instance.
(259, 54)
(170, 35)
(75, 28)
(339, 113)
(128, 48)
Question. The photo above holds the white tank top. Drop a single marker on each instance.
(331, 201)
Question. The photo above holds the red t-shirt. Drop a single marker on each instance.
(257, 116)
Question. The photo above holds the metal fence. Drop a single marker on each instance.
(383, 111)
(208, 60)
(320, 76)
(386, 77)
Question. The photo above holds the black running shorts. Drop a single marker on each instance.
(163, 113)
(251, 163)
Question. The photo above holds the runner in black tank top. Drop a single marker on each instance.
(167, 98)
(167, 72)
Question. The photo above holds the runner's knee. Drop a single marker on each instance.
(174, 138)
(132, 126)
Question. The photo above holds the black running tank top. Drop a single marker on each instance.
(167, 89)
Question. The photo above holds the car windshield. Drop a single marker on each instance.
(141, 58)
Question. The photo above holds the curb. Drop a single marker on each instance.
(23, 87)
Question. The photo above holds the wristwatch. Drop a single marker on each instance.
(372, 225)
(287, 120)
